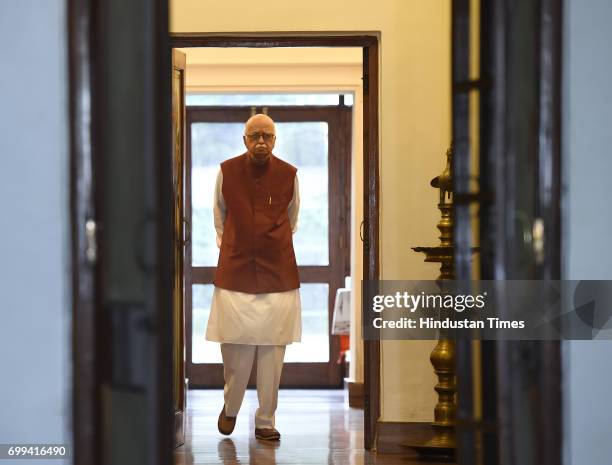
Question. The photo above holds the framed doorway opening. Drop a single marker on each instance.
(321, 242)
(370, 229)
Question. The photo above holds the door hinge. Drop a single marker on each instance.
(91, 246)
(366, 83)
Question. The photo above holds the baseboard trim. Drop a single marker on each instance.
(393, 436)
(355, 393)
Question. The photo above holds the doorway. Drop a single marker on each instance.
(329, 275)
(317, 140)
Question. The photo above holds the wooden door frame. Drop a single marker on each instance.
(86, 30)
(182, 244)
(369, 43)
(496, 200)
(324, 375)
(83, 34)
(85, 370)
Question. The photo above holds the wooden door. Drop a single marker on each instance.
(129, 237)
(322, 263)
(180, 239)
(506, 131)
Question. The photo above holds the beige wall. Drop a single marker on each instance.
(415, 132)
(273, 69)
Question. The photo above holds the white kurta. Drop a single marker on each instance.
(257, 319)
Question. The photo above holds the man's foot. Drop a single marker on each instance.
(226, 424)
(267, 434)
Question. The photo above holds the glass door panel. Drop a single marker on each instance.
(202, 351)
(315, 330)
(305, 146)
(211, 143)
(314, 346)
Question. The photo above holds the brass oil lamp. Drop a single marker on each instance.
(442, 445)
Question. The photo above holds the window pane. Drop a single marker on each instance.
(305, 146)
(214, 142)
(211, 143)
(203, 351)
(261, 99)
(314, 346)
(315, 329)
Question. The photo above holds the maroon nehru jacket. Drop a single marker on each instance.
(257, 245)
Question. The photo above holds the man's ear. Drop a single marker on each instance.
(244, 140)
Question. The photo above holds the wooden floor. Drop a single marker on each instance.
(317, 427)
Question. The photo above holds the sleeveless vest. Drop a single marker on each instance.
(256, 253)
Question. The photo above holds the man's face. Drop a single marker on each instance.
(259, 138)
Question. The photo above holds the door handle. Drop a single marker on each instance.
(532, 236)
(537, 237)
(187, 231)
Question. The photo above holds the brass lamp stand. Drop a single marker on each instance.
(442, 445)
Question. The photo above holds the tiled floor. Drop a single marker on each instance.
(317, 427)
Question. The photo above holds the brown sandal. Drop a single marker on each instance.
(267, 434)
(226, 424)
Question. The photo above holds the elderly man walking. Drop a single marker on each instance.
(255, 306)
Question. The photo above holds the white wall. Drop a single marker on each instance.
(587, 168)
(415, 133)
(34, 266)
